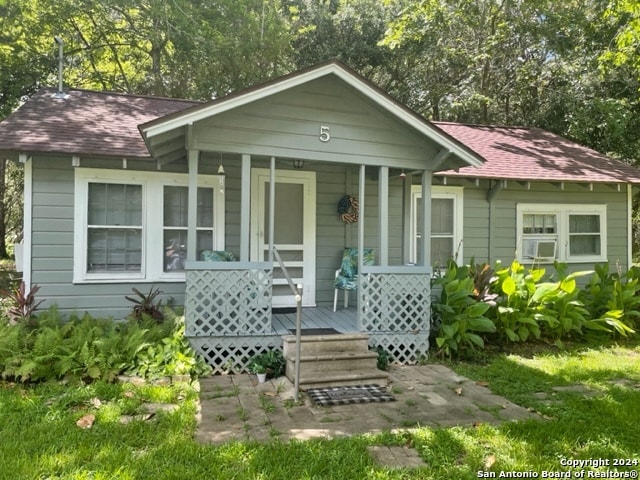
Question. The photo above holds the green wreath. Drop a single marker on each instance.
(348, 207)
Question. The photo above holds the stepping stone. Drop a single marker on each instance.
(396, 457)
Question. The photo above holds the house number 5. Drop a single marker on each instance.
(324, 133)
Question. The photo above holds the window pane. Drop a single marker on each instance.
(441, 251)
(205, 207)
(115, 204)
(114, 250)
(204, 241)
(584, 223)
(176, 200)
(584, 245)
(534, 223)
(442, 216)
(175, 251)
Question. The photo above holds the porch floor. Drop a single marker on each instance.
(343, 320)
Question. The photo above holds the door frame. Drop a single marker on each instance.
(259, 179)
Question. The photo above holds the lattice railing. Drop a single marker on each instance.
(228, 301)
(394, 308)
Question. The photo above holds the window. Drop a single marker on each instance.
(446, 224)
(114, 228)
(121, 234)
(175, 218)
(571, 233)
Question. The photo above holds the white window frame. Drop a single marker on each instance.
(447, 192)
(562, 212)
(153, 249)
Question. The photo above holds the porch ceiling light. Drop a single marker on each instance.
(298, 164)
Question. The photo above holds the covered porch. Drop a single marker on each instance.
(329, 132)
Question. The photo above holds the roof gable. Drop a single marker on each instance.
(351, 78)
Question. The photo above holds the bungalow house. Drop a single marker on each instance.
(127, 191)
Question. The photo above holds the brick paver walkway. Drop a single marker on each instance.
(235, 407)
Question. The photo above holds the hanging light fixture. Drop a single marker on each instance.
(298, 163)
(403, 175)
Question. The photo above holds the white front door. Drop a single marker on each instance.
(294, 230)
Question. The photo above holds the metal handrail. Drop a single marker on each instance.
(297, 293)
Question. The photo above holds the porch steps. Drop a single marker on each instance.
(333, 360)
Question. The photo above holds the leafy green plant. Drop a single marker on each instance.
(271, 362)
(515, 314)
(170, 356)
(461, 315)
(384, 358)
(144, 305)
(95, 349)
(21, 305)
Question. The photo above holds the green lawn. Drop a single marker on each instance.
(39, 438)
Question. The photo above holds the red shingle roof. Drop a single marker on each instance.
(515, 153)
(87, 123)
(106, 124)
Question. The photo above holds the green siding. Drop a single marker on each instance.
(53, 200)
(504, 238)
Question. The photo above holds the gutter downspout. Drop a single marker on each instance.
(491, 195)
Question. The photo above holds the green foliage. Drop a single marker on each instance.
(271, 362)
(461, 315)
(384, 358)
(515, 312)
(170, 355)
(94, 349)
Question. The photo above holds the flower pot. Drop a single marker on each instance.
(262, 377)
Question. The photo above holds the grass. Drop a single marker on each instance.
(40, 438)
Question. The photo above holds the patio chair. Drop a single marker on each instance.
(347, 276)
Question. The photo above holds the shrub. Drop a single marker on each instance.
(271, 362)
(462, 317)
(90, 349)
(515, 313)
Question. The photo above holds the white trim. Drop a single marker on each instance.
(259, 179)
(562, 212)
(454, 193)
(153, 184)
(421, 125)
(27, 235)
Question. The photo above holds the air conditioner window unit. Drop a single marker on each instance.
(545, 249)
(539, 249)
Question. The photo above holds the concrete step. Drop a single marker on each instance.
(333, 361)
(344, 378)
(317, 344)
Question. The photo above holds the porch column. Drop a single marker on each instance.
(383, 215)
(361, 191)
(192, 217)
(245, 213)
(272, 206)
(427, 177)
(406, 218)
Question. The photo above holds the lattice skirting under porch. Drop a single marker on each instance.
(232, 354)
(405, 348)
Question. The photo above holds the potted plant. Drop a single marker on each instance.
(257, 367)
